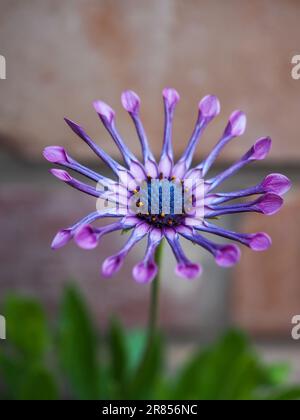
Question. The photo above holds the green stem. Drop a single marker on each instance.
(154, 298)
(139, 378)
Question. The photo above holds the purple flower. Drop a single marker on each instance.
(163, 199)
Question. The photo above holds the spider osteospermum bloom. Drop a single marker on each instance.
(167, 199)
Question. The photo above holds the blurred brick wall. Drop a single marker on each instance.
(63, 54)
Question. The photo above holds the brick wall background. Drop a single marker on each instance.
(62, 55)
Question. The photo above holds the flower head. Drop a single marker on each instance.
(167, 199)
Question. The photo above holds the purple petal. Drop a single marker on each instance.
(179, 169)
(273, 183)
(261, 148)
(188, 270)
(151, 168)
(107, 116)
(269, 203)
(111, 265)
(257, 152)
(61, 238)
(260, 241)
(86, 237)
(171, 97)
(184, 268)
(77, 129)
(105, 111)
(137, 170)
(130, 101)
(145, 272)
(276, 183)
(234, 128)
(165, 166)
(227, 255)
(236, 125)
(61, 174)
(209, 106)
(56, 154)
(81, 186)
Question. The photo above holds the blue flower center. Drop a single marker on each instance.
(161, 202)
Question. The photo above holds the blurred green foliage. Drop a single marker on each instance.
(71, 361)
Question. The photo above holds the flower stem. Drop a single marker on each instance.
(152, 326)
(154, 298)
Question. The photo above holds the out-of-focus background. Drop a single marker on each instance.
(62, 55)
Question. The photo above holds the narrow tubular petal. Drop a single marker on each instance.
(81, 186)
(209, 107)
(58, 155)
(170, 97)
(113, 264)
(115, 167)
(107, 116)
(146, 270)
(268, 204)
(65, 235)
(276, 183)
(259, 241)
(235, 127)
(184, 268)
(273, 183)
(225, 255)
(257, 152)
(98, 192)
(131, 102)
(87, 237)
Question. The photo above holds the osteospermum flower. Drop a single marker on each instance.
(164, 199)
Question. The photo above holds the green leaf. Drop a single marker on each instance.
(288, 393)
(277, 373)
(38, 384)
(118, 353)
(11, 372)
(77, 346)
(27, 328)
(228, 369)
(135, 347)
(148, 372)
